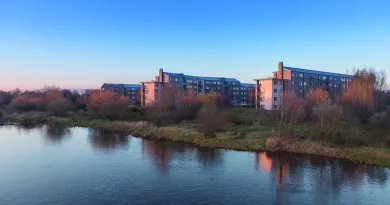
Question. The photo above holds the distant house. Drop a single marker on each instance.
(129, 90)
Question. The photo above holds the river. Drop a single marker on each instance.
(61, 165)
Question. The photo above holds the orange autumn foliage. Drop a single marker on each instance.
(107, 104)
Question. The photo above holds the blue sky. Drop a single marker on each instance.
(81, 44)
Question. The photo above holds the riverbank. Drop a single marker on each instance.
(256, 140)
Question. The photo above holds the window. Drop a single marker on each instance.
(275, 90)
(275, 82)
(275, 107)
(218, 83)
(275, 98)
(207, 87)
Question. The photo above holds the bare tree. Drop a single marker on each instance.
(292, 112)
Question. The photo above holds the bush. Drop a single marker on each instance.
(59, 107)
(21, 103)
(107, 104)
(210, 119)
(157, 114)
(5, 98)
(291, 113)
(327, 116)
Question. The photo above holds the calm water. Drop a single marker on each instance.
(59, 165)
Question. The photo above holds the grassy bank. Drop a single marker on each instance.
(248, 138)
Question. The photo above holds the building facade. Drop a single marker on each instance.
(236, 93)
(129, 90)
(151, 92)
(298, 81)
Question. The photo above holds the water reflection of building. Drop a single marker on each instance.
(107, 140)
(282, 169)
(157, 151)
(325, 178)
(262, 161)
(275, 163)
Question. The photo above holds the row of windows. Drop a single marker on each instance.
(323, 77)
(207, 82)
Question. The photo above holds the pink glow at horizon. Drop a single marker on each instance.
(36, 85)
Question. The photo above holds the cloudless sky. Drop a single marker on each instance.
(81, 44)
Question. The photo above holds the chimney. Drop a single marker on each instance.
(157, 78)
(281, 70)
(161, 75)
(280, 66)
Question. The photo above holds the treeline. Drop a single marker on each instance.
(59, 102)
(210, 111)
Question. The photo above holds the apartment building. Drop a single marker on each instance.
(247, 94)
(298, 81)
(151, 92)
(236, 93)
(129, 90)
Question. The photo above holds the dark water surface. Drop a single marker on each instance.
(59, 165)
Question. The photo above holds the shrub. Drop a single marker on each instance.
(158, 114)
(210, 119)
(327, 116)
(5, 98)
(59, 107)
(291, 113)
(107, 104)
(21, 103)
(313, 98)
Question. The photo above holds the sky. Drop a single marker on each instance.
(81, 43)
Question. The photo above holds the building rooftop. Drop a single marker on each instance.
(202, 77)
(247, 84)
(269, 78)
(316, 72)
(124, 85)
